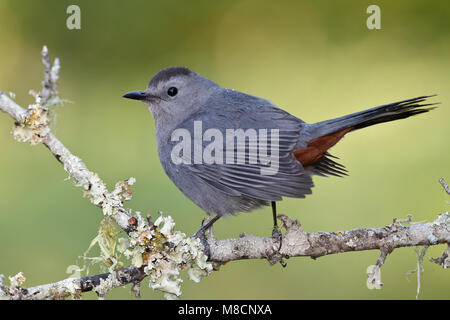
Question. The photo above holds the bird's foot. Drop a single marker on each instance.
(201, 235)
(277, 236)
(276, 233)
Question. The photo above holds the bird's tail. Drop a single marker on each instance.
(385, 113)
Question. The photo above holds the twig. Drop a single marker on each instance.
(444, 185)
(419, 270)
(51, 76)
(444, 260)
(374, 277)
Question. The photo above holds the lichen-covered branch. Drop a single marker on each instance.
(298, 243)
(72, 287)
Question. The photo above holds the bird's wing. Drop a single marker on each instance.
(235, 110)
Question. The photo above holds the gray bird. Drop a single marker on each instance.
(178, 97)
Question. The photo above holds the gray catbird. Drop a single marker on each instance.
(179, 98)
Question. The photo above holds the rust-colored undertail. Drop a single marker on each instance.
(317, 148)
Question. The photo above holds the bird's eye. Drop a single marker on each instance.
(172, 91)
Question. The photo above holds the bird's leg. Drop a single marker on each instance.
(205, 227)
(200, 234)
(276, 233)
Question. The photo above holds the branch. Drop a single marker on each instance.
(297, 243)
(100, 283)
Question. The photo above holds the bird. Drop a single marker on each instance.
(181, 101)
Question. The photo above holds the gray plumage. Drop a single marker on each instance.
(231, 188)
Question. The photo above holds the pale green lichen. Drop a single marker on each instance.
(122, 244)
(374, 277)
(74, 289)
(112, 201)
(198, 266)
(94, 189)
(443, 219)
(182, 253)
(350, 243)
(163, 251)
(104, 286)
(107, 241)
(432, 238)
(17, 280)
(3, 294)
(34, 127)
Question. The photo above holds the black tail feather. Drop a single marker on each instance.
(385, 113)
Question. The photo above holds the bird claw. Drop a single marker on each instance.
(277, 236)
(201, 235)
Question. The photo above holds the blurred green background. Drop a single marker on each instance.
(316, 59)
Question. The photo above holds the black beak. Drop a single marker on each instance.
(136, 95)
